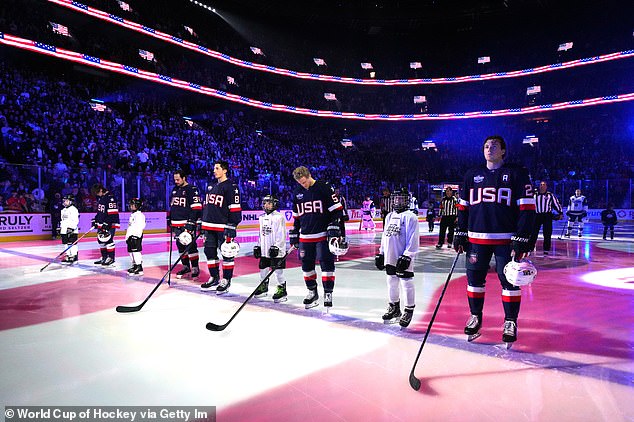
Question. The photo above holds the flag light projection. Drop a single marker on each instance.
(87, 60)
(81, 8)
(59, 29)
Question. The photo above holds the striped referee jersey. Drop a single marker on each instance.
(546, 202)
(448, 206)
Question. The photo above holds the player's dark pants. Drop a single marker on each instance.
(543, 219)
(213, 241)
(477, 264)
(446, 222)
(430, 223)
(191, 257)
(309, 252)
(605, 230)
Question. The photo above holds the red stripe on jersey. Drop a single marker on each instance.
(197, 206)
(490, 241)
(475, 295)
(511, 299)
(112, 212)
(527, 207)
(314, 240)
(235, 209)
(462, 207)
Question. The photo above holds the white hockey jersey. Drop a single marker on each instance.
(136, 225)
(400, 237)
(69, 219)
(272, 233)
(578, 204)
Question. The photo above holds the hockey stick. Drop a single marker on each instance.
(413, 381)
(215, 327)
(169, 276)
(562, 230)
(65, 250)
(125, 309)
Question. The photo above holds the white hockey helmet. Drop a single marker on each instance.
(338, 246)
(230, 249)
(185, 238)
(520, 273)
(104, 236)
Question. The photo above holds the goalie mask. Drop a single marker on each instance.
(103, 236)
(230, 249)
(270, 204)
(185, 238)
(520, 273)
(400, 200)
(338, 246)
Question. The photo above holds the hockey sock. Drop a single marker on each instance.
(410, 292)
(310, 278)
(328, 281)
(511, 300)
(227, 268)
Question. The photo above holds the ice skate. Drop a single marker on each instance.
(184, 271)
(509, 335)
(393, 313)
(210, 285)
(405, 320)
(472, 329)
(108, 262)
(310, 301)
(280, 294)
(100, 261)
(327, 301)
(262, 289)
(223, 286)
(132, 269)
(138, 270)
(195, 273)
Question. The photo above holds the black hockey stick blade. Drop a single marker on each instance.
(413, 381)
(215, 327)
(127, 309)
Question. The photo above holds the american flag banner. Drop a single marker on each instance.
(366, 66)
(124, 6)
(345, 142)
(420, 99)
(484, 59)
(60, 29)
(98, 106)
(231, 80)
(319, 62)
(415, 65)
(147, 55)
(329, 96)
(533, 90)
(190, 30)
(257, 50)
(565, 46)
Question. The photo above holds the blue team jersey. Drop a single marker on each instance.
(313, 209)
(222, 206)
(497, 204)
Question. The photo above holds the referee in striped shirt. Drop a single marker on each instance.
(545, 203)
(448, 217)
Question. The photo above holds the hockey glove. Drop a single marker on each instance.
(70, 231)
(584, 214)
(94, 224)
(345, 217)
(257, 252)
(230, 231)
(402, 263)
(521, 247)
(274, 251)
(105, 227)
(190, 226)
(333, 229)
(379, 261)
(293, 237)
(460, 241)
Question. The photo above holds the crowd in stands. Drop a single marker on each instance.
(54, 141)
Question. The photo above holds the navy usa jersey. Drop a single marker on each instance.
(313, 209)
(222, 206)
(107, 210)
(497, 204)
(185, 205)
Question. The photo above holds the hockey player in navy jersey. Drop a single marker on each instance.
(185, 211)
(222, 213)
(495, 217)
(106, 222)
(399, 245)
(317, 212)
